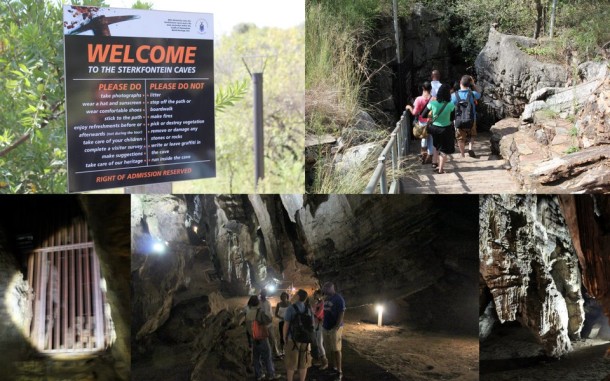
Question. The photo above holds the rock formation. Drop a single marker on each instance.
(536, 253)
(509, 76)
(588, 219)
(530, 267)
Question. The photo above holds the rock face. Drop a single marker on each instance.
(530, 267)
(508, 76)
(588, 218)
(404, 249)
(553, 153)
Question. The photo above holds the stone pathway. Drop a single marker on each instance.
(485, 174)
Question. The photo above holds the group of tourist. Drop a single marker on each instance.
(444, 114)
(308, 330)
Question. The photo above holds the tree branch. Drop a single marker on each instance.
(25, 137)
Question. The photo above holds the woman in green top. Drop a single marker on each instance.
(443, 112)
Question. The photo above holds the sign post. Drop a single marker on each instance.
(139, 97)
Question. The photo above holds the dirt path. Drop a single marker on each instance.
(483, 175)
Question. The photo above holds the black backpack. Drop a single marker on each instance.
(301, 326)
(464, 111)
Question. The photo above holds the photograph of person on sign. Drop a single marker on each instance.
(139, 97)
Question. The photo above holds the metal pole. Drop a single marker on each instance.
(553, 17)
(396, 31)
(259, 165)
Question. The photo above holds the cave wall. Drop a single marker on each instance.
(110, 229)
(529, 265)
(15, 311)
(588, 218)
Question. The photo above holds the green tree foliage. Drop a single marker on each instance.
(32, 133)
(142, 5)
(580, 26)
(281, 53)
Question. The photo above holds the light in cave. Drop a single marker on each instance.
(379, 309)
(159, 247)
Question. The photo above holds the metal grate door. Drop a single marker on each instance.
(69, 304)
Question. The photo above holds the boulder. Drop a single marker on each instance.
(508, 76)
(355, 157)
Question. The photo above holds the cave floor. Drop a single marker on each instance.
(511, 353)
(410, 354)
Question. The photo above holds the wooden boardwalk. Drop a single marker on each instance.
(483, 175)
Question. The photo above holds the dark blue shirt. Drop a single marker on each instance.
(333, 306)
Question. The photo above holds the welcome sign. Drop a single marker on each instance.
(139, 97)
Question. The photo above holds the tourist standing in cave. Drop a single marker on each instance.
(334, 312)
(280, 311)
(441, 128)
(298, 320)
(436, 82)
(420, 103)
(466, 99)
(266, 306)
(261, 352)
(318, 313)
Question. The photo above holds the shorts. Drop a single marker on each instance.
(297, 356)
(443, 138)
(332, 338)
(466, 135)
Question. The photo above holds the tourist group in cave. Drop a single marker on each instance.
(310, 333)
(442, 115)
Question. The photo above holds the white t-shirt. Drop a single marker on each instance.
(435, 86)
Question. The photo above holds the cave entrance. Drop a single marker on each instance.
(66, 300)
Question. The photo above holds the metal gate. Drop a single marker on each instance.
(69, 303)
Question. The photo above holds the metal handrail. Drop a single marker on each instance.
(398, 147)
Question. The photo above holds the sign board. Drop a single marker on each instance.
(139, 96)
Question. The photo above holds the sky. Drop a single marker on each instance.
(228, 13)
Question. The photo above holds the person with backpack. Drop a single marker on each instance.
(465, 114)
(440, 126)
(256, 325)
(298, 335)
(318, 314)
(427, 149)
(334, 312)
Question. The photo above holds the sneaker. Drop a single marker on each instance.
(472, 154)
(260, 378)
(275, 377)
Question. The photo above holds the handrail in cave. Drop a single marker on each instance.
(398, 145)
